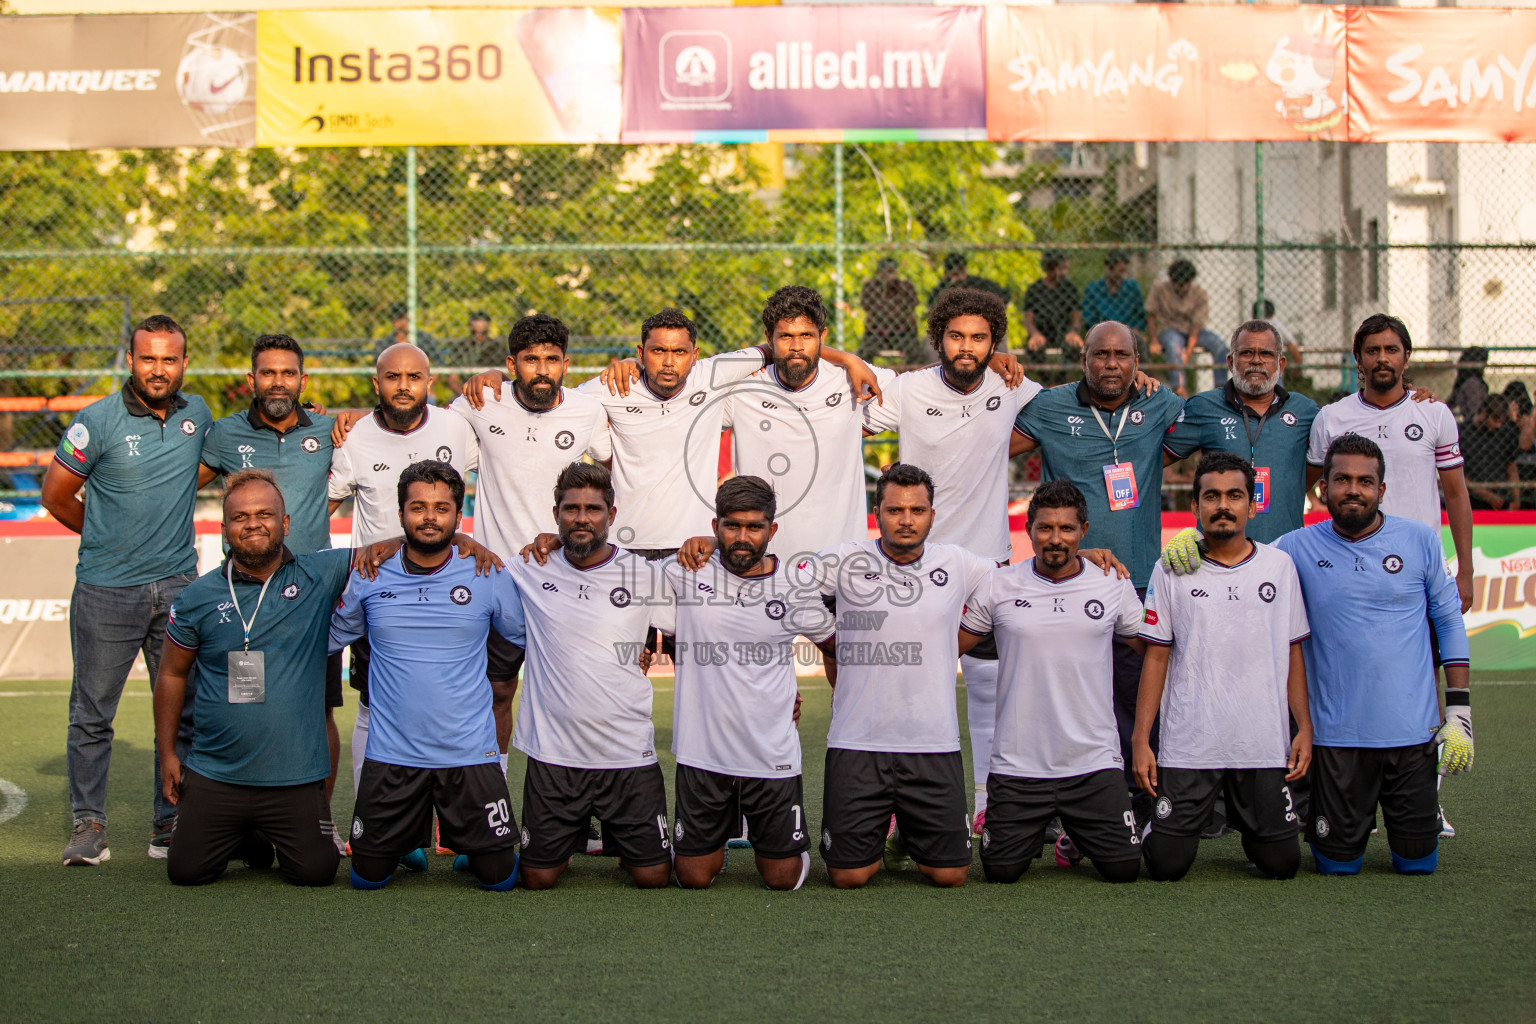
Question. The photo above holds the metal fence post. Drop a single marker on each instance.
(410, 238)
(1258, 225)
(837, 239)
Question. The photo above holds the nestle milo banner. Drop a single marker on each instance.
(1501, 624)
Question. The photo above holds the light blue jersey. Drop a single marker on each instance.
(428, 698)
(1371, 602)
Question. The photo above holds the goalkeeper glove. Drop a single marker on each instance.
(1181, 555)
(1455, 735)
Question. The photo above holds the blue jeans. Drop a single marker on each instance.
(108, 628)
(1173, 343)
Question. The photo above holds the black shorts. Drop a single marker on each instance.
(1349, 782)
(395, 804)
(1259, 802)
(558, 803)
(215, 819)
(503, 658)
(359, 678)
(710, 806)
(926, 792)
(1095, 809)
(333, 681)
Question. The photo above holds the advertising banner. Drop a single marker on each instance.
(130, 80)
(1502, 620)
(1162, 73)
(438, 77)
(752, 74)
(1450, 75)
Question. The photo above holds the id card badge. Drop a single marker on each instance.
(247, 677)
(1260, 489)
(1120, 483)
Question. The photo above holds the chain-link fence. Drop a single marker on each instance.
(346, 248)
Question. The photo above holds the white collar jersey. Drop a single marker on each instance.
(1231, 628)
(1055, 679)
(1417, 439)
(961, 439)
(733, 708)
(522, 454)
(809, 445)
(666, 451)
(369, 463)
(897, 644)
(585, 702)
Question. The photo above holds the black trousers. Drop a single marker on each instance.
(215, 821)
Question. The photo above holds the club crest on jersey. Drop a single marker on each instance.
(1321, 827)
(525, 837)
(677, 831)
(1413, 432)
(1393, 564)
(697, 398)
(619, 597)
(459, 595)
(775, 610)
(290, 592)
(834, 398)
(1288, 418)
(1164, 807)
(1137, 415)
(564, 439)
(826, 840)
(188, 427)
(444, 454)
(939, 577)
(357, 828)
(1266, 592)
(993, 403)
(1094, 609)
(310, 444)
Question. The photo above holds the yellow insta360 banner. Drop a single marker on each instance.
(438, 77)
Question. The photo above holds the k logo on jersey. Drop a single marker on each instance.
(1393, 564)
(290, 592)
(564, 439)
(1288, 418)
(775, 610)
(459, 595)
(939, 577)
(1413, 432)
(1094, 609)
(188, 427)
(1266, 592)
(620, 597)
(310, 444)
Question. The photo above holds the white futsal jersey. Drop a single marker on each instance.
(369, 463)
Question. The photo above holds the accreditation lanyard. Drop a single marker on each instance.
(1119, 477)
(229, 569)
(1260, 473)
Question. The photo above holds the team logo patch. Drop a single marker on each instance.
(834, 398)
(986, 838)
(677, 831)
(78, 435)
(1137, 415)
(939, 577)
(564, 439)
(1094, 609)
(357, 828)
(1164, 807)
(525, 837)
(619, 597)
(697, 398)
(1413, 432)
(459, 595)
(1393, 564)
(993, 403)
(1321, 827)
(826, 840)
(444, 454)
(188, 427)
(290, 592)
(775, 610)
(1288, 418)
(1150, 618)
(310, 444)
(1266, 592)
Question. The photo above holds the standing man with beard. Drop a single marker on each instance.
(402, 430)
(1377, 592)
(135, 455)
(278, 435)
(1107, 438)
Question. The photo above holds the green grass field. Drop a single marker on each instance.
(120, 943)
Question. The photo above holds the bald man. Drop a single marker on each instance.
(400, 430)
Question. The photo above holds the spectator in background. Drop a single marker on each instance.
(1470, 390)
(1177, 311)
(890, 315)
(1266, 311)
(1115, 296)
(956, 276)
(400, 334)
(481, 348)
(1490, 442)
(1052, 316)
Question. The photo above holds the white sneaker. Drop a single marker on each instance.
(1447, 830)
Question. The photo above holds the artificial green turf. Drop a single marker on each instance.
(120, 943)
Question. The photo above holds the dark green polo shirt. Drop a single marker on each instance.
(281, 741)
(140, 487)
(1218, 421)
(300, 459)
(1074, 447)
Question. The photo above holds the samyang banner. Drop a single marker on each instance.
(438, 77)
(1161, 73)
(749, 74)
(128, 80)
